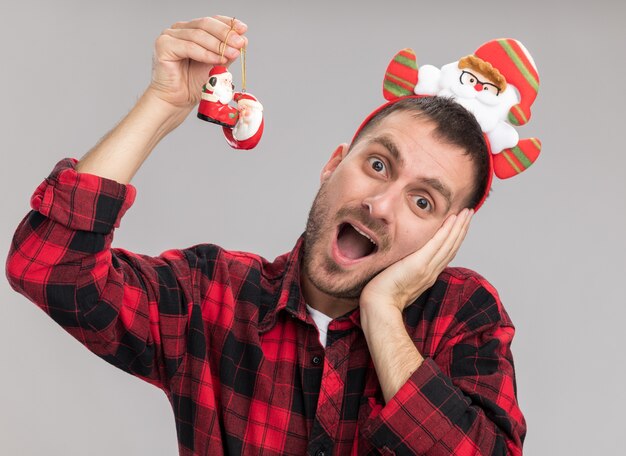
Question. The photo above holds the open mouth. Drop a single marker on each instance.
(353, 243)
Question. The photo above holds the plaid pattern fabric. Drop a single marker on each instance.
(226, 335)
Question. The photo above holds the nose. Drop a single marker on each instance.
(381, 206)
(478, 87)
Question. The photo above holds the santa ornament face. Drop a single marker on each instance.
(498, 84)
(222, 86)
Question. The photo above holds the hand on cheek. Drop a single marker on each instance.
(402, 282)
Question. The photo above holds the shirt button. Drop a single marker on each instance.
(316, 360)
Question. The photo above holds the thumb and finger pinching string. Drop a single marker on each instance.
(243, 55)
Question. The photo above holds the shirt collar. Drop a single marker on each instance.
(288, 297)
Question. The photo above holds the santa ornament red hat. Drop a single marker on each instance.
(508, 154)
(248, 100)
(217, 70)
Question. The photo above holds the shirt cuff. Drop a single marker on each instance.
(82, 201)
(420, 414)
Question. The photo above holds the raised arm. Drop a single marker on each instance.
(133, 310)
(183, 56)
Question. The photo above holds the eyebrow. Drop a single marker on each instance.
(432, 182)
(441, 188)
(391, 147)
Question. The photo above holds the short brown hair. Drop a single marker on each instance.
(453, 124)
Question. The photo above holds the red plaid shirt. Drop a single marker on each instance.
(227, 336)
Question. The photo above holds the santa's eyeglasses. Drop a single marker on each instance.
(471, 79)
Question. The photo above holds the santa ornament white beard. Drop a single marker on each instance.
(224, 94)
(248, 124)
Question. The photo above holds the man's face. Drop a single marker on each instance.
(380, 202)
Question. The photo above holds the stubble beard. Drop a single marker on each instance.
(325, 274)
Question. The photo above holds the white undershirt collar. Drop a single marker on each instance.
(321, 321)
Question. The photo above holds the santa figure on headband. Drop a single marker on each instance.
(498, 84)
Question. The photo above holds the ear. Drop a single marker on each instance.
(338, 155)
(401, 75)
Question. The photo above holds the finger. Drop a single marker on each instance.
(205, 40)
(455, 238)
(217, 28)
(429, 250)
(464, 230)
(439, 247)
(238, 26)
(436, 254)
(425, 262)
(169, 48)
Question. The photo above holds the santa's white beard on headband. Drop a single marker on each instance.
(488, 108)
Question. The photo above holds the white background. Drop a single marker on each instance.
(550, 240)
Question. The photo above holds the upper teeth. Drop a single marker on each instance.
(362, 233)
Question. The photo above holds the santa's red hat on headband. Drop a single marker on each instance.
(517, 66)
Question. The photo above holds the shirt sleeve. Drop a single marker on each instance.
(129, 309)
(462, 400)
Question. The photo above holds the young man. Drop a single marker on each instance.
(356, 342)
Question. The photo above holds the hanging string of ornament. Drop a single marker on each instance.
(243, 69)
(242, 125)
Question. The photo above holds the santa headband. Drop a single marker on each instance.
(498, 84)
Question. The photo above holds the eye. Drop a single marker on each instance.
(491, 89)
(377, 164)
(468, 78)
(422, 203)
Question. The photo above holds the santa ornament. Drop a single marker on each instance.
(242, 125)
(249, 127)
(498, 83)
